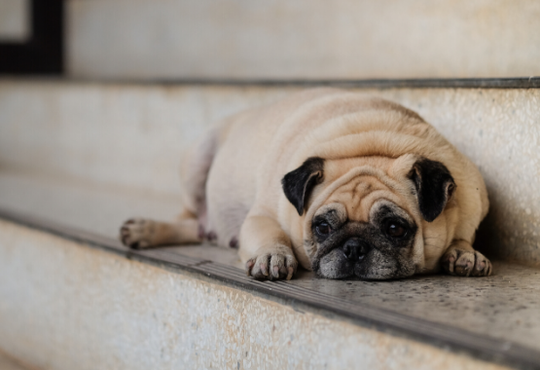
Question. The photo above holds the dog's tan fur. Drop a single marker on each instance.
(233, 194)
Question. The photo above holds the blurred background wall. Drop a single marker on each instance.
(274, 40)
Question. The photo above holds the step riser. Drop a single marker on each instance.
(67, 306)
(116, 134)
(133, 136)
(312, 39)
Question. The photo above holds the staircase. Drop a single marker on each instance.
(81, 153)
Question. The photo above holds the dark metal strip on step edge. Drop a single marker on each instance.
(165, 256)
(63, 230)
(532, 82)
(483, 347)
(381, 83)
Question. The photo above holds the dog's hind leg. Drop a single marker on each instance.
(140, 233)
(191, 225)
(194, 175)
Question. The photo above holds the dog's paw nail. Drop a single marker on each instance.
(275, 272)
(291, 273)
(249, 266)
(264, 268)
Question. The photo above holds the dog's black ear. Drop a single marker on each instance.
(434, 187)
(297, 184)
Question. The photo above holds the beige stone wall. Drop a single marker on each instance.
(67, 306)
(303, 39)
(133, 136)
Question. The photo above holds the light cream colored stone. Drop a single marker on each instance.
(121, 134)
(311, 39)
(66, 306)
(14, 20)
(502, 306)
(132, 136)
(8, 363)
(80, 204)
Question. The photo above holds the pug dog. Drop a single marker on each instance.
(345, 185)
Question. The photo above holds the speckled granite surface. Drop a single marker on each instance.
(64, 305)
(505, 305)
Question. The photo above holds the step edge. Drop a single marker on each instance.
(479, 346)
(531, 82)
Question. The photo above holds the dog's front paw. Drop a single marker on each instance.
(465, 263)
(272, 263)
(137, 233)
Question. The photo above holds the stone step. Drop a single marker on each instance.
(73, 297)
(131, 136)
(303, 39)
(9, 363)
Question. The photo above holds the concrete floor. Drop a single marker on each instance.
(505, 305)
(65, 305)
(8, 363)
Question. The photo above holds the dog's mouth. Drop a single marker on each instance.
(362, 262)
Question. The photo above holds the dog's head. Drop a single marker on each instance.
(367, 217)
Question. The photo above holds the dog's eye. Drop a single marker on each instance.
(323, 229)
(396, 230)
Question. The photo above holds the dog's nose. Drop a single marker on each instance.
(355, 249)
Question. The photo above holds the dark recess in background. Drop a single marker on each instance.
(42, 53)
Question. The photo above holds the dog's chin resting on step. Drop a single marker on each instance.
(345, 185)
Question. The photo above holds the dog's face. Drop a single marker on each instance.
(378, 248)
(364, 218)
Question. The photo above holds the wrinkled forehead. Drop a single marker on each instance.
(359, 197)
